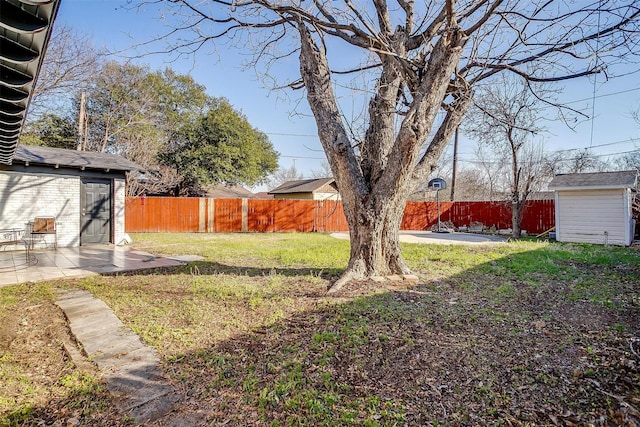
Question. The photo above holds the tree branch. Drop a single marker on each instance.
(334, 139)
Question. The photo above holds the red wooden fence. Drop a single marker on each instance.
(156, 214)
(329, 216)
(538, 215)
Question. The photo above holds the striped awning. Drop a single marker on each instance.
(25, 29)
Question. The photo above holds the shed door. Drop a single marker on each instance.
(593, 216)
(95, 214)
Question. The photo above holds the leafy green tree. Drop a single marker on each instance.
(121, 104)
(222, 147)
(50, 130)
(168, 124)
(180, 100)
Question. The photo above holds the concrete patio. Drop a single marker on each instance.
(49, 264)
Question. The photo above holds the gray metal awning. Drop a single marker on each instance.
(25, 29)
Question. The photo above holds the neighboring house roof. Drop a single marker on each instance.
(59, 157)
(595, 181)
(318, 185)
(222, 191)
(264, 195)
(25, 30)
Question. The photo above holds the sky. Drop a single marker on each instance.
(114, 25)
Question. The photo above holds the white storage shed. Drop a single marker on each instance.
(595, 207)
(81, 192)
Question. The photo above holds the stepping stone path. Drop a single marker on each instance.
(132, 370)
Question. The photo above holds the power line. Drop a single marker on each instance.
(603, 95)
(303, 157)
(595, 79)
(624, 141)
(291, 134)
(534, 161)
(308, 135)
(614, 154)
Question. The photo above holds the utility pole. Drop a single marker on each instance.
(455, 166)
(82, 118)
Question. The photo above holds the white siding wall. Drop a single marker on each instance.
(118, 215)
(24, 196)
(585, 216)
(326, 196)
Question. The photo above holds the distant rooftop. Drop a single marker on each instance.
(305, 186)
(222, 191)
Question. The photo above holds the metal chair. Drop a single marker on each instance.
(15, 237)
(40, 228)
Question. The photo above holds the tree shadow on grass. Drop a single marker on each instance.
(488, 346)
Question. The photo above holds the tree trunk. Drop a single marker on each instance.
(374, 226)
(516, 204)
(375, 180)
(516, 210)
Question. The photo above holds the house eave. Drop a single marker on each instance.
(25, 30)
(590, 187)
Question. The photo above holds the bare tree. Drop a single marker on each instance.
(507, 116)
(574, 161)
(418, 59)
(481, 179)
(324, 171)
(493, 166)
(283, 175)
(472, 184)
(629, 161)
(70, 64)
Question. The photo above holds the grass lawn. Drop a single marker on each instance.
(518, 334)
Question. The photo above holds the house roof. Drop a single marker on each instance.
(304, 186)
(59, 157)
(25, 30)
(222, 191)
(263, 195)
(596, 180)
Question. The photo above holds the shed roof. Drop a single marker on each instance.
(59, 157)
(25, 30)
(304, 186)
(596, 180)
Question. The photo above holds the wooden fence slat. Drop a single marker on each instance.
(261, 215)
(227, 215)
(329, 217)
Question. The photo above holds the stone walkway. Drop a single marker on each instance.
(132, 370)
